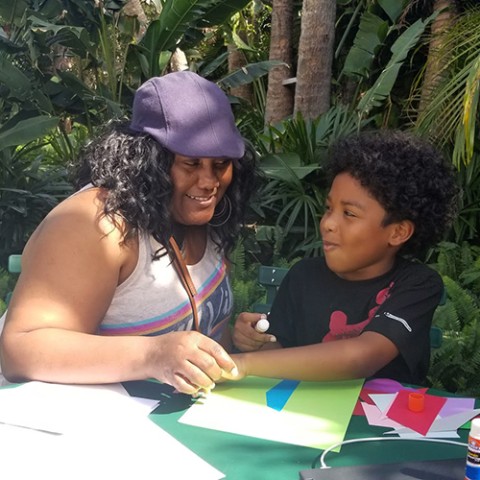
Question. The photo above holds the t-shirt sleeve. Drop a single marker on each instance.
(405, 317)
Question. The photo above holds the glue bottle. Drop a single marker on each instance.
(472, 469)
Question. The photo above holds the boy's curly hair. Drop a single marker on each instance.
(135, 171)
(408, 176)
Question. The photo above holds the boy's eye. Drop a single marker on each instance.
(348, 213)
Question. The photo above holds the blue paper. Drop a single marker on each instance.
(278, 395)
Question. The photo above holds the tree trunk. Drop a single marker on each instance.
(436, 54)
(279, 104)
(315, 56)
(237, 60)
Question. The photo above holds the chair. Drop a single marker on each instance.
(14, 266)
(15, 263)
(271, 277)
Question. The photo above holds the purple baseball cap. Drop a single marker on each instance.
(188, 115)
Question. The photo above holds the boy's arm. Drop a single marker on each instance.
(358, 357)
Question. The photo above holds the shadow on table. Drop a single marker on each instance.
(170, 401)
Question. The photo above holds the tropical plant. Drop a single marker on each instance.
(244, 280)
(103, 59)
(30, 186)
(381, 90)
(460, 262)
(449, 115)
(454, 366)
(244, 273)
(7, 282)
(293, 155)
(467, 225)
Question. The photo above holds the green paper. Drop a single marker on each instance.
(316, 415)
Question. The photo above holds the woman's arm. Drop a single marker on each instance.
(358, 357)
(70, 269)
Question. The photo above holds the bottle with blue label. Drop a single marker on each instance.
(472, 470)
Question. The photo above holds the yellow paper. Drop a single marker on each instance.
(316, 414)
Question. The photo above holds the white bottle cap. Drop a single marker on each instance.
(475, 428)
(262, 325)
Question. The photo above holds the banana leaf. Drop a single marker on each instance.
(393, 8)
(286, 167)
(178, 16)
(20, 85)
(372, 31)
(27, 130)
(249, 73)
(376, 95)
(70, 36)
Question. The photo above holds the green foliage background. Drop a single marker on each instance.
(68, 66)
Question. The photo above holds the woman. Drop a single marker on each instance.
(101, 296)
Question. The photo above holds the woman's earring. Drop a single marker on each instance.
(221, 217)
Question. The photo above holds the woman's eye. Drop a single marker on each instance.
(223, 164)
(192, 163)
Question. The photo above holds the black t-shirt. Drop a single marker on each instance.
(314, 305)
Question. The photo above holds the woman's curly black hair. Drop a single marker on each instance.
(135, 171)
(408, 176)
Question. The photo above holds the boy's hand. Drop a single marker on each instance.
(245, 337)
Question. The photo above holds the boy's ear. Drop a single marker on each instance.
(402, 232)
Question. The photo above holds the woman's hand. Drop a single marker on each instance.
(189, 361)
(244, 335)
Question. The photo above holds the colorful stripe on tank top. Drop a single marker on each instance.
(178, 316)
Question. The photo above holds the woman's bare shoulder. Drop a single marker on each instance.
(78, 224)
(82, 212)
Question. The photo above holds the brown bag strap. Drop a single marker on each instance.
(182, 271)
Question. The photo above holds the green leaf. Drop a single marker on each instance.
(286, 167)
(375, 96)
(222, 11)
(13, 10)
(165, 32)
(393, 8)
(249, 73)
(15, 80)
(27, 130)
(20, 85)
(372, 31)
(178, 16)
(10, 47)
(76, 38)
(470, 109)
(209, 68)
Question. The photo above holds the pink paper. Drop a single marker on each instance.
(379, 385)
(418, 421)
(455, 405)
(376, 418)
(383, 385)
(365, 397)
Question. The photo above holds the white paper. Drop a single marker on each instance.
(408, 433)
(61, 408)
(105, 434)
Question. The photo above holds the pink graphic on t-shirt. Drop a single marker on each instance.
(339, 327)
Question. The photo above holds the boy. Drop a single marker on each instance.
(362, 309)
